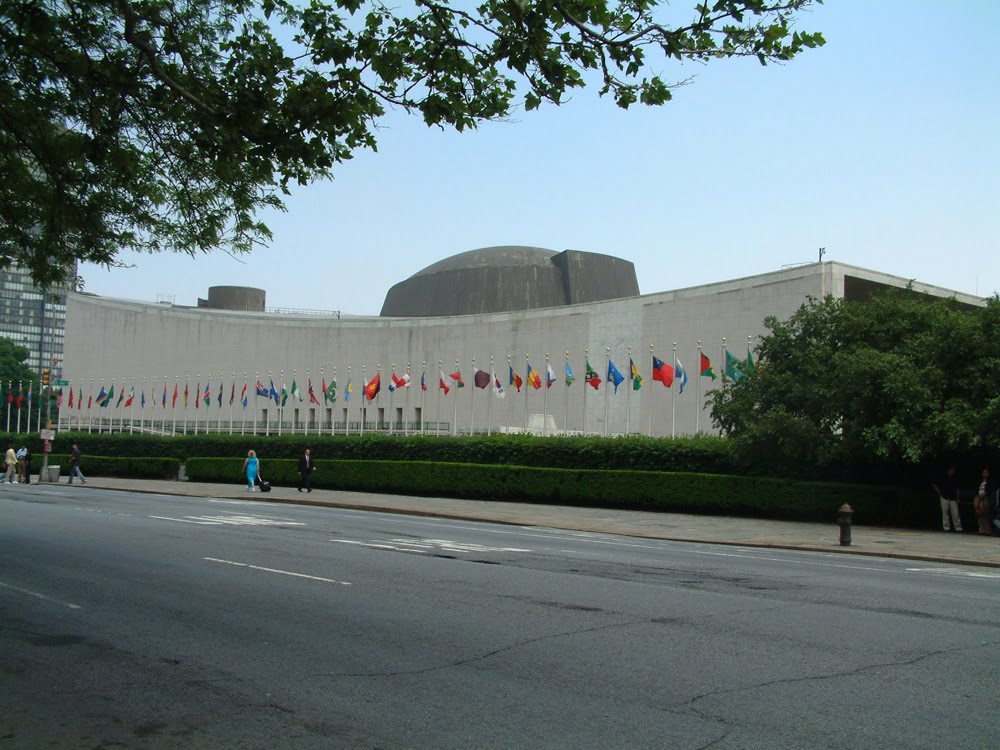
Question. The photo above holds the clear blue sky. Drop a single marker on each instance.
(883, 146)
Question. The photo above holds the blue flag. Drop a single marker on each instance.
(614, 377)
(274, 394)
(681, 374)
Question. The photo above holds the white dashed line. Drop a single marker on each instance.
(275, 570)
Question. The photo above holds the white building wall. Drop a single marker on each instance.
(120, 340)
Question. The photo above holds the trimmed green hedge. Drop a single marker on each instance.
(694, 454)
(128, 467)
(642, 490)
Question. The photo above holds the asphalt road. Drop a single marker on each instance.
(146, 621)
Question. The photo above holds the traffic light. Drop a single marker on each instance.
(45, 376)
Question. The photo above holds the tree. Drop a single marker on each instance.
(169, 124)
(897, 378)
(14, 374)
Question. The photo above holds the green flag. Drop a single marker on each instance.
(295, 391)
(284, 396)
(734, 367)
(331, 391)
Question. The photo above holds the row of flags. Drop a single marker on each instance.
(663, 372)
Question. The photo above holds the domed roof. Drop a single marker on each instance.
(499, 256)
(509, 278)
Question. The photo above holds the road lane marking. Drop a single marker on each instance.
(428, 545)
(232, 520)
(955, 572)
(275, 570)
(68, 605)
(188, 520)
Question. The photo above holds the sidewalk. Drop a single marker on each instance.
(912, 544)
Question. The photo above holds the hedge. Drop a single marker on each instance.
(681, 492)
(696, 453)
(128, 467)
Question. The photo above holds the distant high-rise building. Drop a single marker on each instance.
(32, 317)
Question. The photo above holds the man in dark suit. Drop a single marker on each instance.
(306, 468)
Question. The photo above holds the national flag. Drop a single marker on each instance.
(733, 369)
(90, 399)
(515, 379)
(634, 375)
(348, 390)
(550, 377)
(121, 396)
(164, 402)
(498, 390)
(614, 377)
(274, 394)
(284, 396)
(663, 372)
(186, 395)
(102, 394)
(750, 363)
(20, 397)
(232, 394)
(682, 375)
(296, 393)
(173, 400)
(592, 378)
(261, 390)
(481, 378)
(331, 392)
(244, 399)
(457, 377)
(392, 383)
(142, 399)
(423, 381)
(197, 395)
(29, 396)
(400, 382)
(71, 397)
(534, 379)
(443, 385)
(79, 398)
(131, 397)
(312, 394)
(570, 379)
(373, 387)
(108, 396)
(219, 397)
(208, 394)
(705, 368)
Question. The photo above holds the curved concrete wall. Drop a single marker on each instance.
(107, 338)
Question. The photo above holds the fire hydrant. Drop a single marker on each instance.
(844, 521)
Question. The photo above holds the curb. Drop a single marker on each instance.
(633, 535)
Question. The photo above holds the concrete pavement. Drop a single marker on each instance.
(914, 544)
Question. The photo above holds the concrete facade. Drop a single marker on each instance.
(166, 345)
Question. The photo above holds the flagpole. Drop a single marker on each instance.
(472, 399)
(20, 397)
(364, 395)
(673, 399)
(527, 383)
(586, 368)
(697, 412)
(509, 384)
(90, 411)
(566, 398)
(607, 369)
(545, 398)
(347, 404)
(10, 387)
(295, 384)
(333, 408)
(282, 397)
(423, 383)
(406, 399)
(649, 427)
(437, 426)
(378, 376)
(454, 424)
(222, 391)
(489, 401)
(142, 396)
(628, 393)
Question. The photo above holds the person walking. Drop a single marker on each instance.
(10, 459)
(74, 465)
(947, 490)
(982, 503)
(252, 468)
(27, 465)
(306, 468)
(21, 453)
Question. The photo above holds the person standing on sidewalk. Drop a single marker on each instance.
(252, 468)
(982, 503)
(74, 465)
(306, 468)
(10, 460)
(947, 490)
